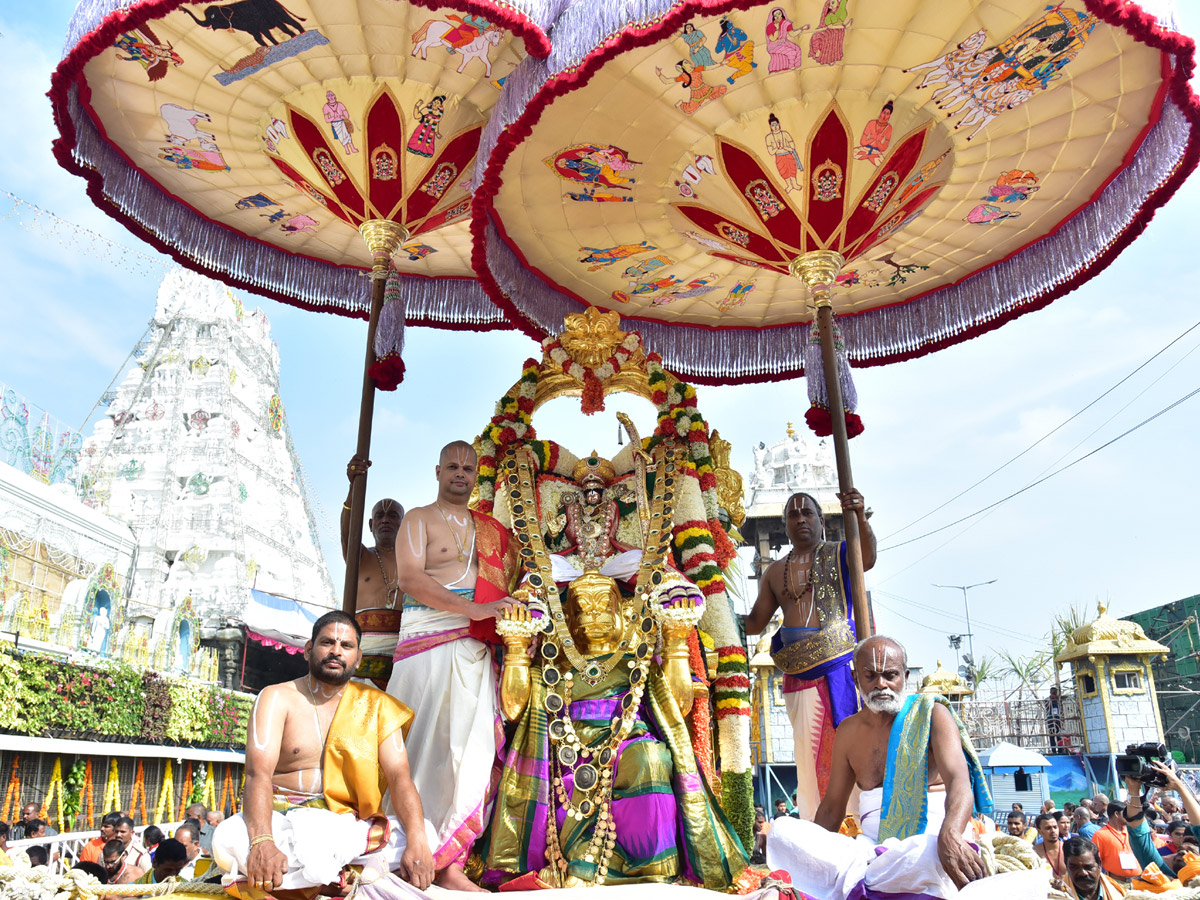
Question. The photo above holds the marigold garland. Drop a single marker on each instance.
(88, 801)
(112, 790)
(227, 792)
(185, 792)
(592, 379)
(12, 796)
(210, 788)
(701, 716)
(166, 794)
(138, 794)
(55, 790)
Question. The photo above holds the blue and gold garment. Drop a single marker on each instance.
(906, 785)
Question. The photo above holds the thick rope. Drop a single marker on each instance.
(20, 883)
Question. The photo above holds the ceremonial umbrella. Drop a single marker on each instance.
(256, 140)
(928, 171)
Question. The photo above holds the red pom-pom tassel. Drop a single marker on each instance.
(388, 372)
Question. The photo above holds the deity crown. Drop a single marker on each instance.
(593, 468)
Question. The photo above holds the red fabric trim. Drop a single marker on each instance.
(70, 72)
(1119, 13)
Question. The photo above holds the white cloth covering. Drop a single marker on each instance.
(622, 567)
(451, 690)
(316, 842)
(869, 809)
(833, 866)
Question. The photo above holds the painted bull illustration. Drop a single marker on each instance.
(258, 18)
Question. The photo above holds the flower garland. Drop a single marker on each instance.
(185, 792)
(112, 791)
(89, 797)
(701, 720)
(209, 797)
(55, 789)
(511, 423)
(228, 794)
(166, 795)
(592, 379)
(12, 796)
(138, 794)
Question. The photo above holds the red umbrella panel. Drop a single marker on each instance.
(969, 160)
(250, 139)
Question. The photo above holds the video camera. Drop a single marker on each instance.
(1135, 763)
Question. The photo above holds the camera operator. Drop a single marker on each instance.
(1141, 841)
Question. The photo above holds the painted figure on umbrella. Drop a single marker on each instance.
(338, 117)
(875, 137)
(828, 43)
(141, 45)
(595, 166)
(424, 139)
(785, 53)
(692, 78)
(737, 48)
(781, 146)
(599, 257)
(1013, 187)
(696, 40)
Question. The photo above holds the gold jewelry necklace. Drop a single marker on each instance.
(391, 588)
(460, 543)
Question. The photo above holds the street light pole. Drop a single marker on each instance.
(967, 607)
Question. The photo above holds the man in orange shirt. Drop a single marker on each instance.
(1112, 846)
(93, 849)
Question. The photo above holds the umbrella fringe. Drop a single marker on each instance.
(388, 368)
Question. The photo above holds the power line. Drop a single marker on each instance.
(1059, 471)
(1052, 431)
(984, 624)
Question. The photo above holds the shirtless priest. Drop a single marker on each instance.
(920, 782)
(321, 751)
(453, 568)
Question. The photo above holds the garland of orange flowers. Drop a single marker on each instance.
(166, 794)
(185, 793)
(227, 791)
(12, 797)
(139, 789)
(112, 790)
(88, 800)
(701, 716)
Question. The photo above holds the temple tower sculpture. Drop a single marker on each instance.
(1110, 661)
(195, 455)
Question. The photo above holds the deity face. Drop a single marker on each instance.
(592, 493)
(594, 603)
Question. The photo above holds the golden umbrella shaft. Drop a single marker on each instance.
(383, 238)
(819, 269)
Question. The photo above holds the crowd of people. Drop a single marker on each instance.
(119, 854)
(1101, 848)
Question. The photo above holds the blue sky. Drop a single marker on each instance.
(1119, 526)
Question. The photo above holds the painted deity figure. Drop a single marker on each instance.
(691, 77)
(696, 40)
(828, 43)
(876, 137)
(429, 116)
(787, 161)
(785, 53)
(98, 636)
(338, 117)
(601, 784)
(737, 48)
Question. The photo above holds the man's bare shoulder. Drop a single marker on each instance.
(285, 692)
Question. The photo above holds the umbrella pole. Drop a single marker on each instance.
(382, 237)
(819, 269)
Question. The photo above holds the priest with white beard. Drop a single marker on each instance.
(920, 781)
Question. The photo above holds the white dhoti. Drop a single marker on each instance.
(836, 867)
(449, 682)
(806, 711)
(318, 843)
